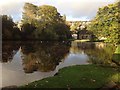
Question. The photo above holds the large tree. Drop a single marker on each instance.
(106, 23)
(45, 19)
(30, 13)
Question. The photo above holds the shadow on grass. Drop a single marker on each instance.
(81, 76)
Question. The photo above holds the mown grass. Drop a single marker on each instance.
(80, 76)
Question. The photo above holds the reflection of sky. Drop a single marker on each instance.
(74, 59)
(13, 74)
(13, 71)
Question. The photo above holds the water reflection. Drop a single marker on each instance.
(44, 56)
(24, 62)
(99, 53)
(9, 49)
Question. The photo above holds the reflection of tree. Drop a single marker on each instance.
(27, 47)
(98, 55)
(46, 57)
(79, 47)
(9, 49)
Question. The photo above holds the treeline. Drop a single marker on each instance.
(38, 23)
(9, 31)
(106, 23)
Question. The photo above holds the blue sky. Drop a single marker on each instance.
(73, 9)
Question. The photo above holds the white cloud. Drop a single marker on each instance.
(74, 9)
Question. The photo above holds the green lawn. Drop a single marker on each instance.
(80, 76)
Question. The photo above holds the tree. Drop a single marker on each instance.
(45, 19)
(106, 23)
(63, 31)
(30, 13)
(7, 27)
(10, 31)
(64, 18)
(27, 31)
(75, 26)
(16, 33)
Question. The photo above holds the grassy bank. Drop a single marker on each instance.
(81, 76)
(116, 56)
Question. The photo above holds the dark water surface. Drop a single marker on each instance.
(24, 62)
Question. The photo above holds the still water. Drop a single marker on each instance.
(24, 62)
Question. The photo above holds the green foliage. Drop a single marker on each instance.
(117, 51)
(106, 23)
(75, 27)
(16, 33)
(27, 31)
(47, 21)
(47, 34)
(63, 31)
(30, 12)
(38, 22)
(9, 29)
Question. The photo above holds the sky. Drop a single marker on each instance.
(75, 10)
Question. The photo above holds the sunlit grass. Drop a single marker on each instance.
(115, 78)
(81, 76)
